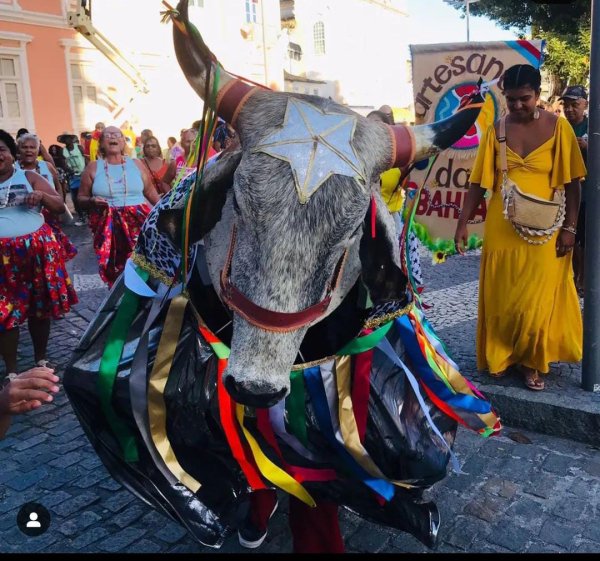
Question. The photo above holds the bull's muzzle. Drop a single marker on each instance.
(253, 394)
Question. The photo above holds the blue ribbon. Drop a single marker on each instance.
(467, 402)
(315, 387)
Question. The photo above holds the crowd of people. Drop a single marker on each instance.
(113, 179)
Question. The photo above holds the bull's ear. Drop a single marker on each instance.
(380, 256)
(210, 200)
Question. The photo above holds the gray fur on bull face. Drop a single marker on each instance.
(286, 251)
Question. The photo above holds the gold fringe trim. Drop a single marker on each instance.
(304, 365)
(151, 269)
(376, 322)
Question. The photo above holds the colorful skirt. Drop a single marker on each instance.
(33, 279)
(69, 250)
(115, 231)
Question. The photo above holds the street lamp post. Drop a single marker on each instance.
(591, 316)
(467, 3)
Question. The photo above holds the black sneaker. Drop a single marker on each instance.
(249, 535)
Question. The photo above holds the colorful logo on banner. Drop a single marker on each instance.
(442, 76)
(450, 102)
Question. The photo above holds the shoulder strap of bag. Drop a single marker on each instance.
(502, 141)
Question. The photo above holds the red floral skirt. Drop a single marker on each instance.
(33, 279)
(115, 232)
(69, 250)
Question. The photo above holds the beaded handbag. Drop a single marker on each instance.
(533, 218)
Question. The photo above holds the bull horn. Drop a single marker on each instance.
(413, 144)
(196, 61)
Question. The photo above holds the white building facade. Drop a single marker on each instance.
(355, 47)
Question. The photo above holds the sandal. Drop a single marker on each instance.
(533, 381)
(500, 374)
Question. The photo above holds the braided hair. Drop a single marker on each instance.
(521, 76)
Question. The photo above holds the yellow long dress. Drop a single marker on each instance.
(528, 306)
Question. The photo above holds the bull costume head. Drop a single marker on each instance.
(283, 223)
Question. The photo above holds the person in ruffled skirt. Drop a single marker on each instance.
(34, 283)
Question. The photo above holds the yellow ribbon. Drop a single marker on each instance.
(272, 472)
(157, 413)
(348, 427)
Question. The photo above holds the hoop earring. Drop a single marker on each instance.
(536, 113)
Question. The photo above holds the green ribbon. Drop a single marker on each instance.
(367, 342)
(296, 407)
(109, 364)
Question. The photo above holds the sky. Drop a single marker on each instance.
(434, 21)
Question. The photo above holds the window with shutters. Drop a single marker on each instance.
(85, 94)
(251, 11)
(12, 106)
(319, 38)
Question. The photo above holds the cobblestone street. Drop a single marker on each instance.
(523, 491)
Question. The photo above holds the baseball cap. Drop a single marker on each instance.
(574, 92)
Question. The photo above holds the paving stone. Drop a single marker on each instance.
(537, 546)
(584, 488)
(557, 464)
(570, 509)
(501, 487)
(476, 465)
(372, 541)
(25, 480)
(50, 499)
(68, 507)
(593, 468)
(118, 500)
(90, 480)
(509, 537)
(79, 522)
(588, 547)
(190, 548)
(60, 477)
(67, 447)
(154, 519)
(464, 530)
(9, 474)
(64, 427)
(120, 540)
(129, 515)
(540, 485)
(30, 442)
(527, 511)
(16, 499)
(89, 536)
(558, 533)
(592, 531)
(110, 484)
(172, 533)
(486, 507)
(8, 442)
(145, 546)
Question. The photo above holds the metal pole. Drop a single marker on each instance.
(591, 316)
(468, 34)
(264, 41)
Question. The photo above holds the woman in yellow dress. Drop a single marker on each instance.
(529, 314)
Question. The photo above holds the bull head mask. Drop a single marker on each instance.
(284, 230)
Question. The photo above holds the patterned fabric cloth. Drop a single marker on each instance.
(154, 251)
(115, 231)
(68, 249)
(33, 279)
(412, 250)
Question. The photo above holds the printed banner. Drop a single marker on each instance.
(442, 75)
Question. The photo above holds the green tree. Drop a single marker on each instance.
(566, 18)
(565, 27)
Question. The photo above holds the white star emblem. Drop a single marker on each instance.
(316, 145)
